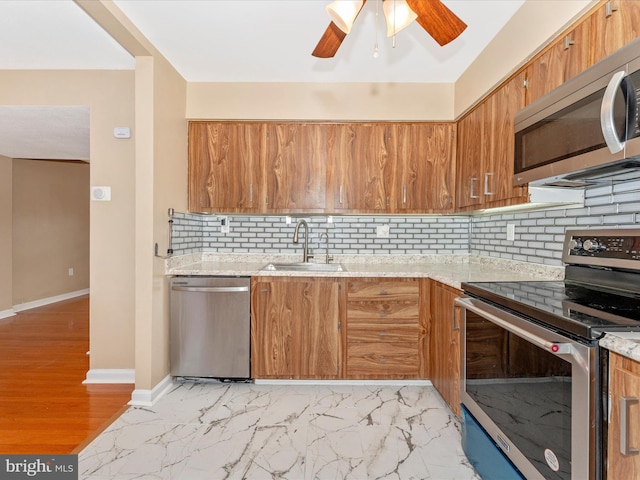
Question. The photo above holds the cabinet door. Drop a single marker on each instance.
(614, 24)
(225, 167)
(471, 149)
(568, 56)
(624, 419)
(444, 343)
(295, 167)
(425, 167)
(362, 157)
(496, 183)
(295, 328)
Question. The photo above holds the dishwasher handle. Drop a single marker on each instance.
(209, 289)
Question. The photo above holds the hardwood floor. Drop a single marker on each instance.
(44, 407)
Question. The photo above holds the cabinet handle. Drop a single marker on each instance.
(404, 194)
(251, 192)
(382, 334)
(487, 176)
(625, 406)
(384, 292)
(472, 182)
(388, 201)
(454, 325)
(383, 360)
(340, 194)
(382, 314)
(609, 9)
(568, 42)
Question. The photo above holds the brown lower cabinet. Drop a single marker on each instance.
(303, 327)
(444, 343)
(624, 418)
(385, 331)
(295, 328)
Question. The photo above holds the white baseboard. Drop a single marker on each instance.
(7, 313)
(384, 383)
(111, 375)
(146, 398)
(46, 301)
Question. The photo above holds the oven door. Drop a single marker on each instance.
(532, 390)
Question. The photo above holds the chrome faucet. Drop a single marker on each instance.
(327, 258)
(305, 251)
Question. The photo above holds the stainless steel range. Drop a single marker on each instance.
(534, 377)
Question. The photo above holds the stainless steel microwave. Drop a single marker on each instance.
(587, 130)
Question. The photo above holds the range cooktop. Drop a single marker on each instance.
(600, 293)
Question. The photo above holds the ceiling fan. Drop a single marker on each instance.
(432, 15)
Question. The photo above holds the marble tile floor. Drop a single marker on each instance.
(212, 430)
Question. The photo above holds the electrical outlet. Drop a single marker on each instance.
(382, 231)
(511, 232)
(224, 224)
(71, 272)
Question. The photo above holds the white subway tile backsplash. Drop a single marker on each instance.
(538, 234)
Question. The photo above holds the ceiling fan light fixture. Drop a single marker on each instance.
(398, 15)
(344, 12)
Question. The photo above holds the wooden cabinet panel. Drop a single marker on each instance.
(390, 290)
(295, 328)
(496, 186)
(382, 312)
(295, 166)
(568, 56)
(383, 333)
(378, 360)
(444, 343)
(225, 166)
(614, 24)
(624, 383)
(425, 167)
(472, 144)
(384, 330)
(362, 158)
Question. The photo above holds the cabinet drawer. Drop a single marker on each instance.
(391, 291)
(383, 333)
(382, 359)
(384, 311)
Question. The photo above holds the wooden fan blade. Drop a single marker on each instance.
(330, 42)
(439, 22)
(332, 39)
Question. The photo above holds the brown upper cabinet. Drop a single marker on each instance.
(425, 167)
(294, 167)
(565, 58)
(362, 160)
(225, 166)
(614, 24)
(486, 149)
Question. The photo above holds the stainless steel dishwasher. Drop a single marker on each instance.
(210, 327)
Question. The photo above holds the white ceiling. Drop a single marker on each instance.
(220, 41)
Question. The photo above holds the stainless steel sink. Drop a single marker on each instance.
(304, 267)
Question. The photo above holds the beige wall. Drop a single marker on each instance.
(320, 101)
(109, 94)
(530, 29)
(50, 229)
(6, 295)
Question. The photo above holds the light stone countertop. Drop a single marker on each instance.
(625, 343)
(451, 270)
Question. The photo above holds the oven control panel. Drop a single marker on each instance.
(616, 248)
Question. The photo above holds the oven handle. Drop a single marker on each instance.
(554, 347)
